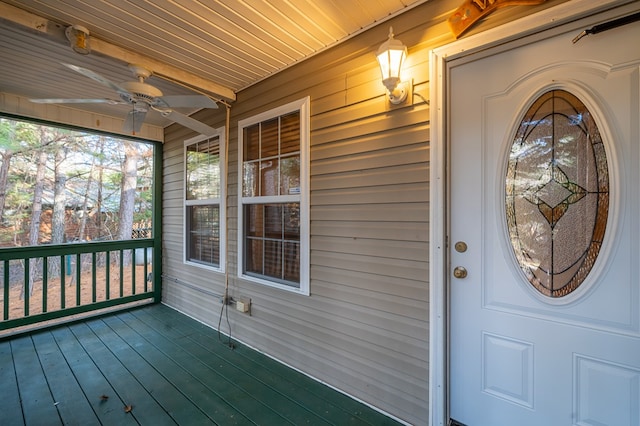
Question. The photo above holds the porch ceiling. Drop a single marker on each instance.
(218, 46)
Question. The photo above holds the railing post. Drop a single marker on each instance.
(157, 222)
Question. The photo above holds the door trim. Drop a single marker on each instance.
(569, 15)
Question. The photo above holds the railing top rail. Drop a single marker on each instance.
(48, 250)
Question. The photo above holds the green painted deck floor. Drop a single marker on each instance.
(153, 365)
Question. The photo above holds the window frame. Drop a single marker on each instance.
(218, 201)
(301, 105)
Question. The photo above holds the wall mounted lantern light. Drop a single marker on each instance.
(391, 55)
(78, 37)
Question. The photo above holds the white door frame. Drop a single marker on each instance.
(571, 12)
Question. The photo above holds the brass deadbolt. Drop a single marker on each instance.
(461, 246)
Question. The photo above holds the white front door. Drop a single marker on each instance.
(518, 356)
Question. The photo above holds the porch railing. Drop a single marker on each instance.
(47, 282)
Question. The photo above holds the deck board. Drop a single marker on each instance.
(173, 401)
(90, 378)
(340, 411)
(304, 390)
(10, 400)
(37, 401)
(127, 389)
(69, 399)
(169, 368)
(260, 397)
(192, 391)
(234, 404)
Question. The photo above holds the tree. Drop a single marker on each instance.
(128, 192)
(36, 210)
(59, 198)
(7, 146)
(49, 139)
(87, 191)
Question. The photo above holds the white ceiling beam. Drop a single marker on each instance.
(161, 69)
(56, 31)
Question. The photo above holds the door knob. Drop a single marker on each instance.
(459, 272)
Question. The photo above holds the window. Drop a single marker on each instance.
(204, 201)
(273, 197)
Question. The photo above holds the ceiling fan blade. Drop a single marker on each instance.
(97, 77)
(189, 122)
(77, 101)
(188, 101)
(133, 121)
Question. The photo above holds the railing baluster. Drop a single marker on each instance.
(45, 279)
(133, 271)
(93, 277)
(107, 274)
(121, 273)
(78, 273)
(25, 285)
(146, 271)
(6, 288)
(63, 277)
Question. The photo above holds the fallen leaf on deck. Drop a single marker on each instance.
(104, 397)
(128, 408)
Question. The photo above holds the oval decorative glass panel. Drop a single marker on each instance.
(557, 193)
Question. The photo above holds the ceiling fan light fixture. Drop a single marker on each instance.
(140, 91)
(79, 39)
(141, 97)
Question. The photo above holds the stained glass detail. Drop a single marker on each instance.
(557, 193)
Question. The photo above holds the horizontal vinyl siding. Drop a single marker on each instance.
(369, 242)
(192, 290)
(364, 327)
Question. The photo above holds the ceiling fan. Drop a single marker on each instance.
(142, 97)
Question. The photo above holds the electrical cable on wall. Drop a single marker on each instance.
(191, 286)
(425, 100)
(225, 298)
(223, 310)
